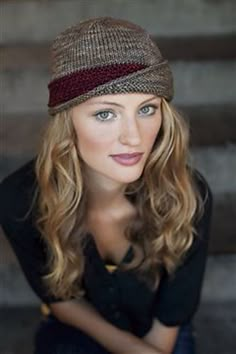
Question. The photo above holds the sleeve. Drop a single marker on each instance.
(24, 238)
(178, 296)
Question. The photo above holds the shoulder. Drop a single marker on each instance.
(16, 191)
(202, 218)
(202, 185)
(206, 195)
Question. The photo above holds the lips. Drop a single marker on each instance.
(127, 159)
(128, 156)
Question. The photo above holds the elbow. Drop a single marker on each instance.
(59, 309)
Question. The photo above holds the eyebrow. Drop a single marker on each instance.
(119, 105)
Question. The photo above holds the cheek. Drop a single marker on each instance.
(153, 132)
(94, 143)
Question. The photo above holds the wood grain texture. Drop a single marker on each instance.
(222, 47)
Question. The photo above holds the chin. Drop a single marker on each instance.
(128, 178)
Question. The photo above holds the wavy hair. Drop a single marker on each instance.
(165, 196)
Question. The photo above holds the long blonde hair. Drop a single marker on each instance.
(165, 197)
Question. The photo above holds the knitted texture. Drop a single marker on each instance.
(105, 56)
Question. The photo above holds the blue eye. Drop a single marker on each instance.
(104, 116)
(148, 110)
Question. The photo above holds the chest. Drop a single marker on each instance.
(109, 238)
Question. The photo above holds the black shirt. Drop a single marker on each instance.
(176, 299)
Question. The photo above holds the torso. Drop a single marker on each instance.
(110, 240)
(108, 234)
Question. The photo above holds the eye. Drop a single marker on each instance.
(104, 116)
(148, 110)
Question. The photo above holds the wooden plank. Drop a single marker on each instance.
(7, 255)
(209, 125)
(223, 230)
(222, 236)
(21, 133)
(42, 20)
(26, 90)
(28, 56)
(222, 47)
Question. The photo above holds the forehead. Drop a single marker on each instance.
(125, 98)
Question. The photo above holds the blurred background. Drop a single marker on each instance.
(199, 39)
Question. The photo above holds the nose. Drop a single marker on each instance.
(130, 132)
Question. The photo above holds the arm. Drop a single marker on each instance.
(82, 314)
(161, 336)
(178, 298)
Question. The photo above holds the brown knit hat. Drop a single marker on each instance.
(105, 56)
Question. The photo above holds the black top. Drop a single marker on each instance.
(114, 294)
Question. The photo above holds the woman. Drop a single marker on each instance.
(110, 221)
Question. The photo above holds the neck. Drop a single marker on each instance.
(100, 199)
(104, 194)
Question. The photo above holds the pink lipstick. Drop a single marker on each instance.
(127, 159)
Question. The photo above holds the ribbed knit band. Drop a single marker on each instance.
(105, 56)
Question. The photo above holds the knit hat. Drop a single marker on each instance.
(102, 56)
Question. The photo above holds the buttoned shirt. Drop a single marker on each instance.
(113, 292)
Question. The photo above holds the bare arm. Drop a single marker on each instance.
(161, 336)
(83, 315)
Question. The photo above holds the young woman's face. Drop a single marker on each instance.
(111, 125)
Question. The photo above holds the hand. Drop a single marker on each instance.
(140, 348)
(142, 351)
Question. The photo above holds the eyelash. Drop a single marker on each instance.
(96, 115)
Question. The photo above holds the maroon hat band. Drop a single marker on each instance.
(79, 83)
